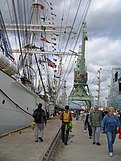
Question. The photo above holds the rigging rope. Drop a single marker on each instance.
(9, 10)
(45, 57)
(25, 22)
(82, 19)
(40, 74)
(80, 24)
(68, 41)
(68, 12)
(79, 5)
(70, 34)
(17, 28)
(61, 27)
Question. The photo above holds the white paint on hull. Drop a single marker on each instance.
(11, 117)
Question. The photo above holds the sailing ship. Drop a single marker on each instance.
(24, 69)
(30, 65)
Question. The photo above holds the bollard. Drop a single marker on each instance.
(33, 126)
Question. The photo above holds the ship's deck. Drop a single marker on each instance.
(21, 147)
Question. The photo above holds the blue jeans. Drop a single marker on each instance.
(111, 139)
(85, 125)
(96, 134)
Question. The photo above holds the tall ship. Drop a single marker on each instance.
(36, 57)
(27, 74)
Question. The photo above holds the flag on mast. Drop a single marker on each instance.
(42, 7)
(50, 63)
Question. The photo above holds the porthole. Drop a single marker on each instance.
(3, 102)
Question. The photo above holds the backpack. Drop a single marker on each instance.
(37, 115)
(66, 116)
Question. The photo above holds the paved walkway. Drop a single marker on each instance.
(80, 147)
(22, 147)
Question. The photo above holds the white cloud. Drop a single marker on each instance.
(100, 5)
(102, 52)
(104, 18)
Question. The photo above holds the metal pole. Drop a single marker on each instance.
(98, 97)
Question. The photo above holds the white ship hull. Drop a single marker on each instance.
(14, 95)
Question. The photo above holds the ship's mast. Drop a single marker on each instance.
(33, 21)
(98, 90)
(29, 52)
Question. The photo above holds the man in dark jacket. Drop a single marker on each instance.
(39, 118)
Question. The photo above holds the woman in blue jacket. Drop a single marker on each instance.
(110, 126)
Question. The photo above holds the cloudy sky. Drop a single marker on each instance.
(103, 48)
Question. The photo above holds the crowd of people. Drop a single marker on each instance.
(94, 120)
(107, 121)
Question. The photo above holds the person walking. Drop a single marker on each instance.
(110, 126)
(95, 120)
(89, 124)
(66, 118)
(40, 119)
(118, 113)
(104, 112)
(85, 124)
